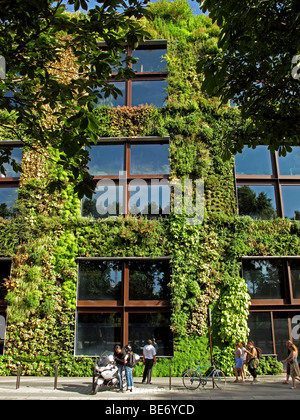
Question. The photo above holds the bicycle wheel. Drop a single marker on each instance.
(219, 378)
(191, 379)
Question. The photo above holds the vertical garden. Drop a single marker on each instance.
(47, 233)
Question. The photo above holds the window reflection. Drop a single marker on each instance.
(8, 197)
(151, 60)
(152, 92)
(257, 201)
(96, 333)
(148, 280)
(261, 331)
(99, 280)
(291, 201)
(264, 278)
(150, 200)
(107, 201)
(106, 159)
(110, 100)
(295, 273)
(155, 327)
(253, 161)
(149, 159)
(290, 164)
(16, 154)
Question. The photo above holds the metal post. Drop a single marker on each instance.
(55, 377)
(19, 376)
(170, 380)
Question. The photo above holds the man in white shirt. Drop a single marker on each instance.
(149, 357)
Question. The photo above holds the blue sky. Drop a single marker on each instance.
(193, 3)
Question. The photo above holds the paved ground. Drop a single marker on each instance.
(42, 388)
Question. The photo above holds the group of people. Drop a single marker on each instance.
(249, 356)
(246, 356)
(125, 361)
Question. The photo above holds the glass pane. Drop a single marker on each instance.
(291, 201)
(151, 92)
(111, 101)
(260, 331)
(253, 161)
(4, 275)
(99, 280)
(264, 278)
(150, 60)
(257, 201)
(96, 333)
(2, 332)
(155, 327)
(281, 331)
(295, 273)
(106, 159)
(151, 200)
(16, 154)
(8, 197)
(149, 159)
(148, 280)
(107, 201)
(290, 164)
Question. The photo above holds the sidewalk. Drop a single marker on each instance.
(42, 388)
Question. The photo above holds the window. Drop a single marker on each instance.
(268, 185)
(5, 267)
(123, 301)
(132, 177)
(9, 181)
(149, 85)
(274, 286)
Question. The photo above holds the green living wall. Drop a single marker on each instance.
(47, 232)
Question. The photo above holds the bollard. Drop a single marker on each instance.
(19, 376)
(55, 377)
(170, 385)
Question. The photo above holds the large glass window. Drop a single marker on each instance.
(96, 333)
(291, 201)
(132, 177)
(253, 161)
(149, 86)
(264, 278)
(8, 197)
(149, 60)
(268, 185)
(106, 159)
(148, 280)
(119, 300)
(295, 274)
(290, 164)
(257, 201)
(261, 331)
(149, 159)
(153, 326)
(99, 280)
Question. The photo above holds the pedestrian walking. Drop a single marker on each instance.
(252, 360)
(238, 368)
(288, 366)
(149, 358)
(244, 357)
(119, 356)
(294, 367)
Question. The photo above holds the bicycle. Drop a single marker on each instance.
(193, 378)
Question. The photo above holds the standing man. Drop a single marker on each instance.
(119, 356)
(149, 357)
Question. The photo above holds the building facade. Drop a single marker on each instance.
(79, 276)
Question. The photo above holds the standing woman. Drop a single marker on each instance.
(238, 363)
(252, 360)
(294, 367)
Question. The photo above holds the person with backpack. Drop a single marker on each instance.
(253, 355)
(130, 362)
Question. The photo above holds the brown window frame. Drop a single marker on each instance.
(139, 76)
(275, 180)
(123, 306)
